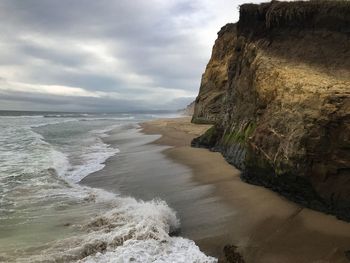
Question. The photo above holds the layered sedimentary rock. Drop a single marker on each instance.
(277, 88)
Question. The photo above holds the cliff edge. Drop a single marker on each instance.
(277, 88)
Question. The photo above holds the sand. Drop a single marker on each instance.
(265, 226)
(215, 207)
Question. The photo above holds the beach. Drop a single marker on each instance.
(175, 131)
(215, 207)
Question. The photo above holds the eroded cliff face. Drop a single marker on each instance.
(208, 106)
(278, 89)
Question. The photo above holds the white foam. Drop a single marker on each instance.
(21, 116)
(60, 162)
(109, 118)
(124, 229)
(93, 157)
(142, 232)
(133, 231)
(104, 132)
(52, 123)
(173, 250)
(67, 115)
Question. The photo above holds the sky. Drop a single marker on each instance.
(106, 55)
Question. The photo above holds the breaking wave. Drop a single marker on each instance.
(39, 184)
(131, 231)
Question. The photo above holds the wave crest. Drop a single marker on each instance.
(133, 230)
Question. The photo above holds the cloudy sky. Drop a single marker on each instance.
(106, 55)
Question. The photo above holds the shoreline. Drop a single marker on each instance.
(142, 171)
(265, 226)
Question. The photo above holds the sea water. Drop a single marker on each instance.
(47, 216)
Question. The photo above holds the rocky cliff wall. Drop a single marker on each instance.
(208, 106)
(278, 90)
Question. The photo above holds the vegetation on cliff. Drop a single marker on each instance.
(311, 15)
(277, 89)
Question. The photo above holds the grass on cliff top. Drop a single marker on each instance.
(328, 14)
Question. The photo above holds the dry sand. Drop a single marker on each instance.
(265, 226)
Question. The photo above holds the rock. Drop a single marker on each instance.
(208, 106)
(347, 254)
(231, 255)
(281, 103)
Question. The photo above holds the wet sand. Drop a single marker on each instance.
(215, 207)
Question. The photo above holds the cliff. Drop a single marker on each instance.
(189, 110)
(277, 88)
(208, 105)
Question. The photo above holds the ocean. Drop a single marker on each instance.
(47, 216)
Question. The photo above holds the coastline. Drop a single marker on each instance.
(264, 226)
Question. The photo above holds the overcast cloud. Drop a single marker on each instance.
(106, 55)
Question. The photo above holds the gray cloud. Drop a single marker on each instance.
(106, 55)
(56, 56)
(25, 100)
